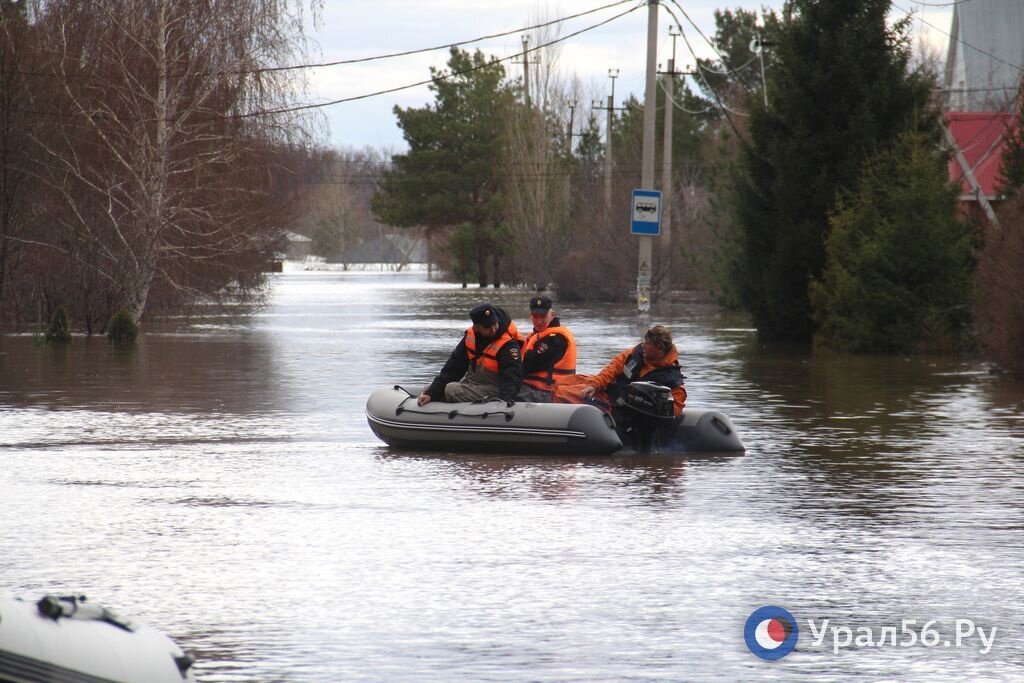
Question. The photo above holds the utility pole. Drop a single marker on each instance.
(526, 70)
(612, 74)
(666, 170)
(643, 278)
(757, 47)
(568, 136)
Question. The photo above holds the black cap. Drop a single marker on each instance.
(540, 304)
(484, 314)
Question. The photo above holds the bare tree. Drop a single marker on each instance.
(171, 167)
(16, 183)
(539, 153)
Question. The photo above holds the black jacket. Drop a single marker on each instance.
(510, 364)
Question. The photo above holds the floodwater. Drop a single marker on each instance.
(220, 483)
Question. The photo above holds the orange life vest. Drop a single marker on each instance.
(566, 365)
(487, 357)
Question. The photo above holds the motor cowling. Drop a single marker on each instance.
(650, 399)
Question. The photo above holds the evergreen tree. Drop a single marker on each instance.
(839, 90)
(898, 261)
(451, 177)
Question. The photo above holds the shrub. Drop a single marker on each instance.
(59, 331)
(122, 329)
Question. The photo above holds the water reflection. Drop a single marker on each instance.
(643, 480)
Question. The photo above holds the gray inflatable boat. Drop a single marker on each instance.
(541, 428)
(65, 638)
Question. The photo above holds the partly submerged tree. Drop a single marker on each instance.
(898, 259)
(167, 155)
(17, 46)
(999, 308)
(451, 177)
(839, 90)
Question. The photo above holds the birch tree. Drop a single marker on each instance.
(166, 155)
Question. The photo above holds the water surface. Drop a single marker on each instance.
(221, 484)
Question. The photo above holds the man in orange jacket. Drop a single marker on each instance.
(655, 359)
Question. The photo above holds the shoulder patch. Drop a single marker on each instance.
(514, 351)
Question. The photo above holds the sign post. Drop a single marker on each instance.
(641, 203)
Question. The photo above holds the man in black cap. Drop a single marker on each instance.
(486, 363)
(549, 352)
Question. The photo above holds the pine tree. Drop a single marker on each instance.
(451, 177)
(898, 260)
(839, 90)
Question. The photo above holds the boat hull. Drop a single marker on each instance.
(698, 431)
(491, 427)
(84, 646)
(542, 428)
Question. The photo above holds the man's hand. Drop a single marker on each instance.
(422, 400)
(588, 391)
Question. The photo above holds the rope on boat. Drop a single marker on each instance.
(509, 414)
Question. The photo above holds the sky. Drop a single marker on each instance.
(350, 30)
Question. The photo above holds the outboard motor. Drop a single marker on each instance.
(653, 400)
(646, 410)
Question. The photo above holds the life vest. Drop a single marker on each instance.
(670, 376)
(487, 357)
(566, 365)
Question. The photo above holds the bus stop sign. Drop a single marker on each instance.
(646, 212)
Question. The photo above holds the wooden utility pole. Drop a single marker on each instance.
(526, 70)
(666, 182)
(643, 278)
(667, 194)
(612, 74)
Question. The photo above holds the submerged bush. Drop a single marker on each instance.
(59, 330)
(122, 329)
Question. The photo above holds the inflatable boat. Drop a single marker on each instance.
(70, 639)
(547, 428)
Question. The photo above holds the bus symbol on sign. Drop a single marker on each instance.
(646, 212)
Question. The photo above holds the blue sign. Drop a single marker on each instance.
(646, 212)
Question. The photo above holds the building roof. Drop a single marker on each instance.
(979, 136)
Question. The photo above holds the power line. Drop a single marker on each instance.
(436, 77)
(405, 53)
(959, 40)
(686, 41)
(439, 76)
(358, 60)
(941, 4)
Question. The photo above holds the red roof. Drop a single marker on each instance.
(979, 135)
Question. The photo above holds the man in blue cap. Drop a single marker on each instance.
(486, 363)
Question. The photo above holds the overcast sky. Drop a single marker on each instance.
(356, 30)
